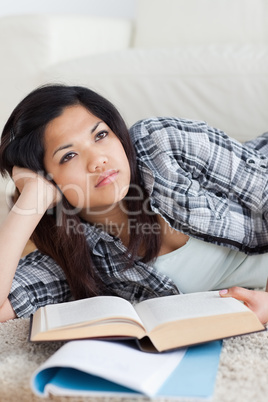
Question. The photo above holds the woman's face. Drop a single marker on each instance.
(86, 160)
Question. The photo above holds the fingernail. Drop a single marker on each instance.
(223, 291)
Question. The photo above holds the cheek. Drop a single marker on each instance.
(73, 187)
(121, 155)
(77, 190)
(74, 194)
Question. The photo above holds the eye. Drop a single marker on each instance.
(67, 157)
(101, 135)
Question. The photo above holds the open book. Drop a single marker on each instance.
(168, 322)
(113, 361)
(97, 368)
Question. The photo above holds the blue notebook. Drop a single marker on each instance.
(193, 376)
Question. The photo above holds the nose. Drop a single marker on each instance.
(96, 163)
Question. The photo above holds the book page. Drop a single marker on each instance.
(154, 312)
(119, 362)
(89, 310)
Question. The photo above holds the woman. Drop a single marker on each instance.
(175, 206)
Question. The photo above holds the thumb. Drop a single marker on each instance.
(239, 293)
(256, 300)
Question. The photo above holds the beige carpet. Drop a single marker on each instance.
(242, 375)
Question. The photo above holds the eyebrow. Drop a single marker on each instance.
(94, 128)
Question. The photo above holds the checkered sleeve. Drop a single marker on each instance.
(38, 281)
(191, 151)
(205, 182)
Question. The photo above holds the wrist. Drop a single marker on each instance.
(34, 199)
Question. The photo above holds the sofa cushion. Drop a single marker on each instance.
(180, 22)
(29, 43)
(225, 85)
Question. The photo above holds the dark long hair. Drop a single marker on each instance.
(22, 144)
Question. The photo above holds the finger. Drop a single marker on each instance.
(239, 293)
(22, 173)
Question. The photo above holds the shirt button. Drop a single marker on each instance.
(220, 194)
(250, 161)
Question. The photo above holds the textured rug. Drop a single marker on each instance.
(242, 375)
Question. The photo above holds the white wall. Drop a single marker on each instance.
(110, 8)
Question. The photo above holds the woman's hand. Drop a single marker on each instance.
(257, 301)
(46, 193)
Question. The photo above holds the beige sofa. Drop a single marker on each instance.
(201, 59)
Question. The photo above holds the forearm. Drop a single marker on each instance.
(7, 312)
(14, 234)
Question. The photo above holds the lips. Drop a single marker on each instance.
(107, 177)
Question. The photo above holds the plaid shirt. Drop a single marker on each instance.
(200, 181)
